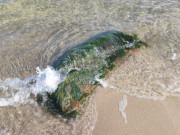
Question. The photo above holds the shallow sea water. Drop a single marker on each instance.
(34, 33)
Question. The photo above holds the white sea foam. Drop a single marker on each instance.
(105, 84)
(102, 82)
(47, 80)
(17, 91)
(122, 106)
(174, 55)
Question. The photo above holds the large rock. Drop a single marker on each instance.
(83, 66)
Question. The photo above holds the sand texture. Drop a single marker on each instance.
(144, 116)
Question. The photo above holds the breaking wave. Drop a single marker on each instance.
(17, 91)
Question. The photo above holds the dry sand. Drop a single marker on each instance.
(144, 116)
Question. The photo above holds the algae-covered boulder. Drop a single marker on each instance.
(83, 66)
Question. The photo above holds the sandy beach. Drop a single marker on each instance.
(144, 116)
(36, 37)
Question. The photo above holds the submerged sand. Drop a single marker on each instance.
(144, 116)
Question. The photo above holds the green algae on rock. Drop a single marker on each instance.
(83, 66)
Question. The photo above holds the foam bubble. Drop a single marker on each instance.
(17, 91)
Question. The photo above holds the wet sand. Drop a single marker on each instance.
(144, 116)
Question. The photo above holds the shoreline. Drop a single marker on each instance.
(144, 116)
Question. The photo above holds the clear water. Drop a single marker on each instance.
(34, 33)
